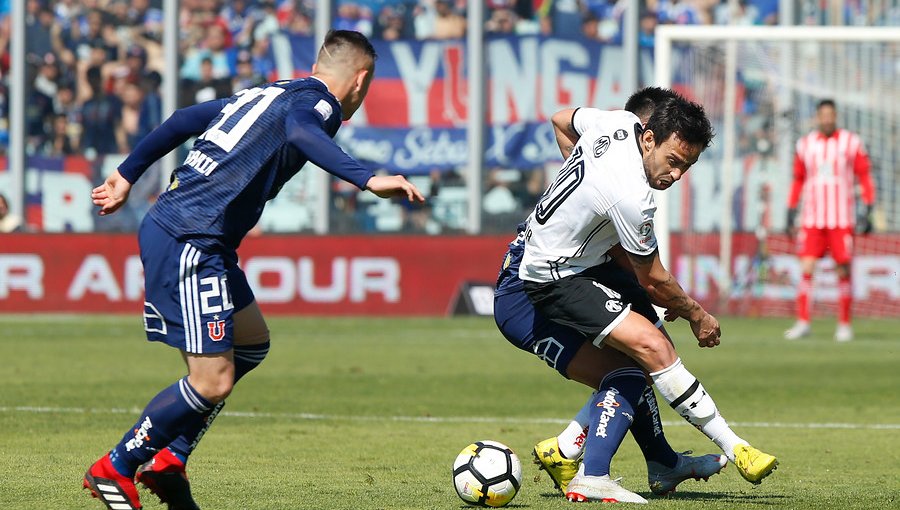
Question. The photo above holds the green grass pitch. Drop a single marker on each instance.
(370, 413)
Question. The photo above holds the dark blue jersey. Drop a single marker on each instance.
(508, 280)
(248, 146)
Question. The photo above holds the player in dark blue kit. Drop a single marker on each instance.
(197, 298)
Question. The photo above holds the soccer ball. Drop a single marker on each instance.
(487, 473)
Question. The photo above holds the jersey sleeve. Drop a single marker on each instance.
(799, 177)
(585, 118)
(861, 168)
(177, 129)
(633, 219)
(306, 131)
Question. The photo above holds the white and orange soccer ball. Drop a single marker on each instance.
(487, 473)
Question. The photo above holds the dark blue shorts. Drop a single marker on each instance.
(190, 296)
(555, 343)
(530, 331)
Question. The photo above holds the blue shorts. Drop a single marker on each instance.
(526, 329)
(555, 343)
(190, 296)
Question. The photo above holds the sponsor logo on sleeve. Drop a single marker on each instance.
(324, 109)
(645, 232)
(620, 134)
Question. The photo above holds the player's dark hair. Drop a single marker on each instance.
(643, 102)
(686, 118)
(339, 38)
(825, 102)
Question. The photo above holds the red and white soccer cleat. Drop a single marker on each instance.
(114, 490)
(165, 476)
(585, 488)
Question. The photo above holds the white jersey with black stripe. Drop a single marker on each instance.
(599, 198)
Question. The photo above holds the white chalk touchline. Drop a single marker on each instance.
(441, 419)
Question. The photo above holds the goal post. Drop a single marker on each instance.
(722, 230)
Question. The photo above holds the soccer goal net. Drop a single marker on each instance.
(724, 226)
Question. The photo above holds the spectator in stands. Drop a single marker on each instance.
(647, 29)
(263, 64)
(240, 16)
(8, 222)
(38, 24)
(209, 86)
(135, 64)
(351, 16)
(151, 106)
(132, 98)
(299, 22)
(47, 77)
(146, 18)
(438, 20)
(215, 49)
(101, 120)
(38, 115)
(502, 21)
(246, 76)
(59, 144)
(448, 24)
(391, 25)
(267, 21)
(523, 9)
(681, 12)
(560, 18)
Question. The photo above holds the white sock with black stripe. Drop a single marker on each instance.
(689, 399)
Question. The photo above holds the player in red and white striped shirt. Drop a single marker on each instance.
(827, 162)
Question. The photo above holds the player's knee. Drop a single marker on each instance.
(653, 350)
(213, 387)
(214, 390)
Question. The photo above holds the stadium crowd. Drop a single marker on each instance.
(94, 67)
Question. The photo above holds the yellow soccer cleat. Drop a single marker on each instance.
(753, 464)
(561, 470)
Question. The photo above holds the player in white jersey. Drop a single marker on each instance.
(827, 162)
(572, 267)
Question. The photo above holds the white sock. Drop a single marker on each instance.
(686, 395)
(571, 440)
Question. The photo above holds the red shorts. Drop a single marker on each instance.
(815, 242)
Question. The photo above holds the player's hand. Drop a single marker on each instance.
(387, 186)
(791, 219)
(670, 315)
(865, 221)
(112, 194)
(707, 331)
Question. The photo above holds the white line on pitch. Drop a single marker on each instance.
(442, 419)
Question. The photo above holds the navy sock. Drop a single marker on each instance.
(162, 419)
(246, 358)
(648, 432)
(611, 417)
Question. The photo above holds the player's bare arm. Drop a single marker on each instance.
(665, 291)
(112, 194)
(566, 136)
(387, 186)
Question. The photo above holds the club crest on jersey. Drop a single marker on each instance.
(216, 330)
(600, 146)
(620, 134)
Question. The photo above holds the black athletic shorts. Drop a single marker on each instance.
(593, 301)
